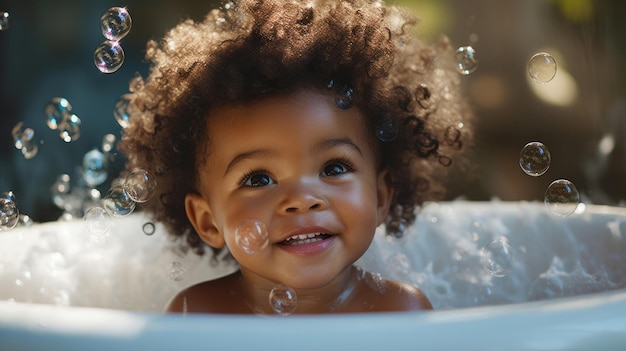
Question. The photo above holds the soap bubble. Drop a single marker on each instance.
(499, 258)
(387, 129)
(25, 220)
(148, 228)
(109, 56)
(9, 213)
(343, 98)
(283, 300)
(561, 197)
(108, 141)
(98, 220)
(23, 140)
(69, 129)
(117, 203)
(466, 61)
(95, 168)
(121, 110)
(115, 23)
(56, 111)
(534, 159)
(251, 236)
(177, 271)
(60, 190)
(542, 67)
(140, 185)
(4, 20)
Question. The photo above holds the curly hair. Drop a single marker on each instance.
(246, 50)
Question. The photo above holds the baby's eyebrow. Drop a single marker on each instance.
(247, 155)
(331, 143)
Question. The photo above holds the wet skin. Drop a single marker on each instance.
(302, 166)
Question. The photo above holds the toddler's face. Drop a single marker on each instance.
(300, 165)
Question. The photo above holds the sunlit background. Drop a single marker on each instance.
(47, 51)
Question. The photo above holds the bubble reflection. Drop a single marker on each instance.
(251, 236)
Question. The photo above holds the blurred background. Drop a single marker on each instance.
(48, 47)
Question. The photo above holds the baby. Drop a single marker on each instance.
(307, 123)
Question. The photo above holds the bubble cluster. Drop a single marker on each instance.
(542, 67)
(177, 271)
(97, 220)
(4, 20)
(109, 56)
(251, 236)
(534, 159)
(121, 110)
(399, 264)
(140, 185)
(117, 202)
(466, 61)
(23, 140)
(59, 116)
(499, 258)
(561, 197)
(9, 213)
(115, 23)
(283, 300)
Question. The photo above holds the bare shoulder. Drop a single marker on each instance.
(405, 297)
(222, 295)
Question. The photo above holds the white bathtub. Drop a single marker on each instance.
(61, 290)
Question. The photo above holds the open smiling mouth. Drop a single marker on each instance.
(303, 239)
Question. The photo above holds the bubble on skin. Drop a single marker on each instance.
(4, 20)
(117, 202)
(95, 168)
(23, 140)
(56, 111)
(343, 98)
(140, 185)
(283, 300)
(542, 67)
(9, 213)
(108, 56)
(121, 110)
(562, 197)
(466, 61)
(251, 236)
(115, 23)
(387, 129)
(97, 220)
(499, 258)
(177, 271)
(535, 159)
(148, 228)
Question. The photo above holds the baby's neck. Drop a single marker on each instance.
(333, 297)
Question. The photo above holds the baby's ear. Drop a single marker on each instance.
(384, 195)
(200, 215)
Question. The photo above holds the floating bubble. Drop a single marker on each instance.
(57, 111)
(121, 110)
(4, 20)
(561, 197)
(117, 202)
(534, 159)
(343, 98)
(109, 56)
(499, 258)
(177, 271)
(115, 23)
(25, 220)
(251, 236)
(140, 185)
(387, 129)
(466, 61)
(69, 129)
(23, 140)
(95, 168)
(98, 220)
(148, 228)
(283, 300)
(60, 190)
(542, 67)
(108, 141)
(9, 213)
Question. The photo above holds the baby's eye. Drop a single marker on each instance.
(257, 179)
(336, 168)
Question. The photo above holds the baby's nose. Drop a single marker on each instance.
(302, 197)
